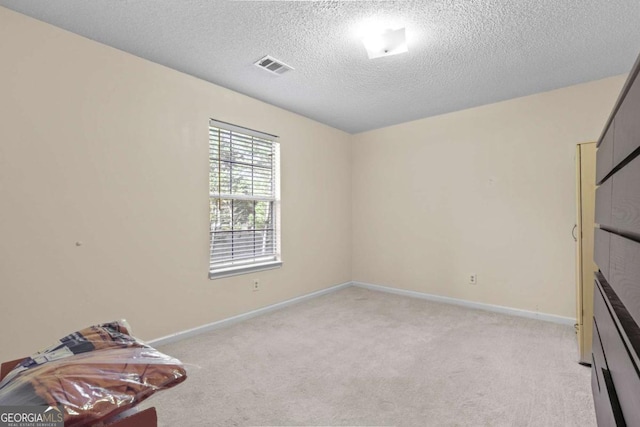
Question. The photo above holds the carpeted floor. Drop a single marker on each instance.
(363, 358)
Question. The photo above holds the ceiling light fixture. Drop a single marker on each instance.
(385, 43)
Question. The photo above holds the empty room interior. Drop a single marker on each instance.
(320, 213)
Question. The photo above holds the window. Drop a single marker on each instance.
(243, 200)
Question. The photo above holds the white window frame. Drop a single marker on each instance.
(229, 266)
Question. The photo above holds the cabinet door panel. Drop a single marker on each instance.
(625, 213)
(603, 203)
(624, 273)
(601, 250)
(604, 155)
(627, 126)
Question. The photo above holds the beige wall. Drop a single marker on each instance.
(104, 148)
(489, 190)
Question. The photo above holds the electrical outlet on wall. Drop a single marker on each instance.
(473, 279)
(255, 285)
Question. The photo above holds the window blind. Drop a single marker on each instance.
(243, 200)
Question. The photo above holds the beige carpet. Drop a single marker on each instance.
(365, 358)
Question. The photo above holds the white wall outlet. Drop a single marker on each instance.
(473, 279)
(256, 285)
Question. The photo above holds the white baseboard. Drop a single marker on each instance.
(179, 336)
(464, 303)
(470, 304)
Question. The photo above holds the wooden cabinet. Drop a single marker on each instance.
(616, 335)
(584, 235)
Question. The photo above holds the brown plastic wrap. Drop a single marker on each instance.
(95, 373)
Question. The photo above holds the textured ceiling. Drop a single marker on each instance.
(462, 53)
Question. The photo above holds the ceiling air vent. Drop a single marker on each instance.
(273, 65)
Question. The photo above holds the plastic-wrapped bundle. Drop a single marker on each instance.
(95, 374)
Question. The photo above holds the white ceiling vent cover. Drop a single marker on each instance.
(273, 65)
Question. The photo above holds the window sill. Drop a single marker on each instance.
(245, 269)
